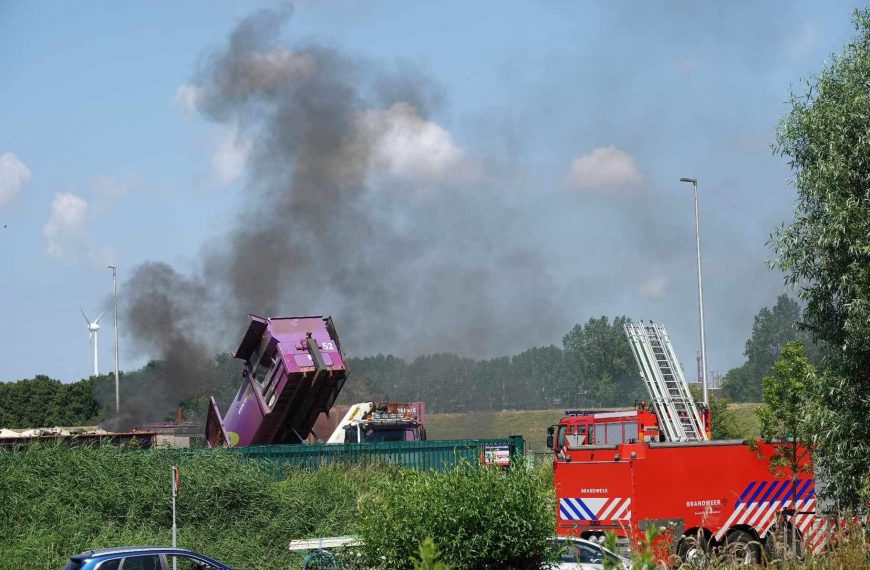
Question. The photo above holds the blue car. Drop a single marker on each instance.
(142, 558)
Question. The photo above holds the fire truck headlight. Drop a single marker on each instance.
(616, 457)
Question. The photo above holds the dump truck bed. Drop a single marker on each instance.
(294, 371)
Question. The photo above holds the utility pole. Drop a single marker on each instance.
(117, 372)
(174, 526)
(694, 182)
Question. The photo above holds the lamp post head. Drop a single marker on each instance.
(692, 180)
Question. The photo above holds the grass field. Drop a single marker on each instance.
(747, 418)
(533, 424)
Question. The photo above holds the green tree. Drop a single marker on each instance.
(771, 329)
(45, 402)
(449, 383)
(375, 378)
(599, 358)
(493, 386)
(539, 379)
(723, 420)
(742, 384)
(783, 416)
(826, 252)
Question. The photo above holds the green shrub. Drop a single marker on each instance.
(480, 518)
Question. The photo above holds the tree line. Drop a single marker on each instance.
(593, 367)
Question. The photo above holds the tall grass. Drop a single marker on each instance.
(56, 501)
(847, 549)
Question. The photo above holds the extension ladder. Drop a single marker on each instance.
(678, 415)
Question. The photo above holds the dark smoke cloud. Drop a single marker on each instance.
(406, 251)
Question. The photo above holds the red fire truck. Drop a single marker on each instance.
(655, 466)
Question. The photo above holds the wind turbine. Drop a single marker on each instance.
(93, 328)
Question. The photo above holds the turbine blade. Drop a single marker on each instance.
(87, 320)
(100, 317)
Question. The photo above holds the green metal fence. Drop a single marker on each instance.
(433, 454)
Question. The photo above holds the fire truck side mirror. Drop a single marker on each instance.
(550, 437)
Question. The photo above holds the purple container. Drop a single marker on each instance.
(294, 370)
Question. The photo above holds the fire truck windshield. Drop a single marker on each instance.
(572, 435)
(604, 433)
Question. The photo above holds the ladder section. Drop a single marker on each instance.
(660, 370)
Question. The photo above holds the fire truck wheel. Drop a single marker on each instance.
(692, 550)
(742, 548)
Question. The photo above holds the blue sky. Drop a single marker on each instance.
(573, 120)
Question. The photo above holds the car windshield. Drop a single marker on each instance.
(73, 565)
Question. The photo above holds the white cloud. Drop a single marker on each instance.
(13, 173)
(407, 146)
(653, 288)
(67, 234)
(228, 161)
(66, 224)
(187, 97)
(605, 168)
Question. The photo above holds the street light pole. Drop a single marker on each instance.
(115, 301)
(694, 182)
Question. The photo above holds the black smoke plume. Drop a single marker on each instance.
(356, 204)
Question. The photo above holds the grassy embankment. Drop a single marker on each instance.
(533, 424)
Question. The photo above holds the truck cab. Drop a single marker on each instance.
(604, 427)
(374, 431)
(369, 422)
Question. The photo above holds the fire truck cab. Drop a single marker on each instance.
(603, 427)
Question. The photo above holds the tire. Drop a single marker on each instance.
(742, 548)
(692, 549)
